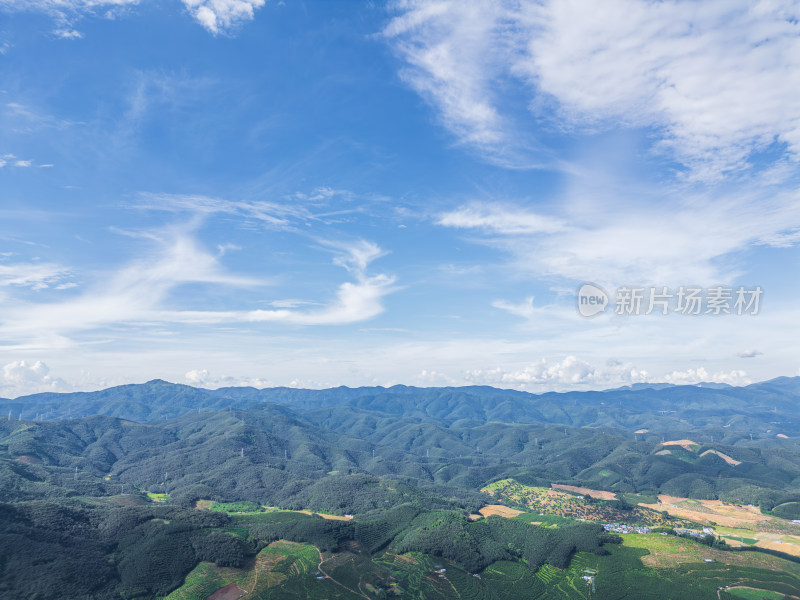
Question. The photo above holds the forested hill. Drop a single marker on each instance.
(286, 446)
(78, 472)
(761, 409)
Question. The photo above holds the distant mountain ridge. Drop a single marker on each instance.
(759, 407)
(288, 446)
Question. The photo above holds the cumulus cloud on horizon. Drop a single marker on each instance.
(24, 377)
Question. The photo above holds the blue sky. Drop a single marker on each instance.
(249, 192)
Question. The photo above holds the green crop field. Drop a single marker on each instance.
(156, 497)
(744, 540)
(639, 498)
(236, 507)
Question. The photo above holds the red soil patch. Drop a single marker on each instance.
(229, 592)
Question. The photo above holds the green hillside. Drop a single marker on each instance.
(406, 465)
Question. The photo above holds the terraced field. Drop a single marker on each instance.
(281, 570)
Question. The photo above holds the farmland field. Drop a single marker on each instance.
(281, 570)
(558, 502)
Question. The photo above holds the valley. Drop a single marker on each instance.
(370, 493)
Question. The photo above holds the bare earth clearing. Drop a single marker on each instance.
(229, 592)
(500, 510)
(770, 532)
(599, 494)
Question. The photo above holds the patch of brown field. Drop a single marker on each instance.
(640, 431)
(229, 592)
(724, 457)
(474, 517)
(780, 435)
(29, 459)
(599, 494)
(499, 510)
(536, 522)
(788, 548)
(326, 516)
(716, 512)
(203, 504)
(685, 444)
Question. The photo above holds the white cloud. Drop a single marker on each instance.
(223, 249)
(717, 80)
(218, 16)
(630, 241)
(68, 34)
(454, 51)
(23, 377)
(66, 12)
(570, 371)
(506, 220)
(10, 159)
(203, 378)
(749, 353)
(434, 378)
(33, 275)
(138, 293)
(355, 301)
(355, 257)
(130, 295)
(700, 375)
(273, 214)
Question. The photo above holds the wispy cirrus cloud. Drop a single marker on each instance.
(626, 241)
(34, 275)
(715, 81)
(354, 301)
(288, 213)
(142, 293)
(67, 13)
(274, 214)
(453, 53)
(130, 295)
